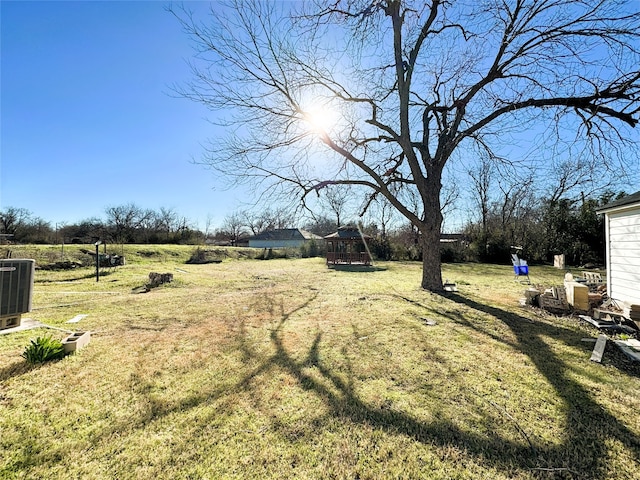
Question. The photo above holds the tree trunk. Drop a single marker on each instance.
(431, 264)
(430, 235)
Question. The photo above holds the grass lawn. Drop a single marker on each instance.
(280, 369)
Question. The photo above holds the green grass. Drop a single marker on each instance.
(287, 369)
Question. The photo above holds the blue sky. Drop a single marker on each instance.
(88, 116)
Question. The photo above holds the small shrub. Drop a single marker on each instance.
(311, 249)
(198, 256)
(201, 256)
(43, 349)
(452, 253)
(381, 248)
(273, 253)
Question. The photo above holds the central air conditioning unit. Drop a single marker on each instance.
(16, 290)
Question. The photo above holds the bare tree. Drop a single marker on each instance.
(12, 218)
(480, 175)
(336, 199)
(577, 177)
(233, 227)
(208, 226)
(320, 225)
(412, 85)
(266, 219)
(384, 215)
(123, 220)
(167, 221)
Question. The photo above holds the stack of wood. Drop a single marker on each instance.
(595, 300)
(592, 278)
(632, 312)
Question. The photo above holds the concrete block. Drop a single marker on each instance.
(10, 321)
(76, 341)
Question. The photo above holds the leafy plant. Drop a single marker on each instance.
(43, 349)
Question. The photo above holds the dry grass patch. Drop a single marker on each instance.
(287, 369)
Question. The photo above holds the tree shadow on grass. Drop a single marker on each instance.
(589, 432)
(339, 396)
(582, 454)
(590, 428)
(357, 268)
(16, 369)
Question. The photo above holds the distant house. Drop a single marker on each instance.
(282, 238)
(622, 233)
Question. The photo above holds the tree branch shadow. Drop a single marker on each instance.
(16, 369)
(588, 429)
(343, 402)
(589, 425)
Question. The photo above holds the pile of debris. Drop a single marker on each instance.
(155, 280)
(587, 297)
(106, 259)
(580, 295)
(62, 265)
(610, 318)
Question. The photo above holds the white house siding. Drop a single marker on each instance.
(623, 250)
(276, 243)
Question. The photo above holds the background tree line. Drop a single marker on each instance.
(542, 226)
(122, 224)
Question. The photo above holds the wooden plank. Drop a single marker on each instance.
(598, 350)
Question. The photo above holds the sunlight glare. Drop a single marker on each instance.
(320, 119)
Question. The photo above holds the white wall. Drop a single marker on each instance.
(276, 243)
(623, 255)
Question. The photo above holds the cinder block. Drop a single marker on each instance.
(76, 341)
(10, 321)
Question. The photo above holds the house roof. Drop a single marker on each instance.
(285, 234)
(622, 202)
(346, 233)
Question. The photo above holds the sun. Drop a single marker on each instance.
(320, 118)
